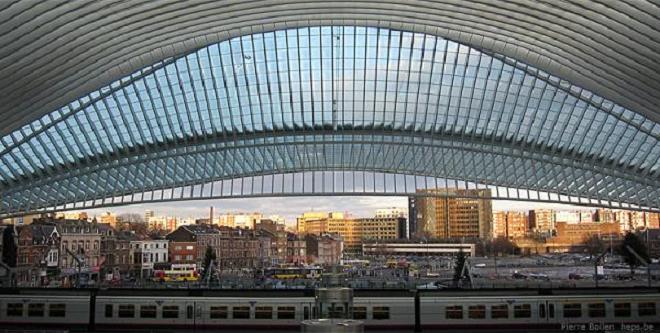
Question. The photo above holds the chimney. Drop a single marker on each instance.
(211, 216)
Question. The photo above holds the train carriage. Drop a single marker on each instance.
(129, 310)
(51, 310)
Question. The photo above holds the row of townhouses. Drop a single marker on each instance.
(51, 250)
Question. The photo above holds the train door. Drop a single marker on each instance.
(192, 314)
(306, 311)
(546, 312)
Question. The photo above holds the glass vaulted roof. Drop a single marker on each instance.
(329, 99)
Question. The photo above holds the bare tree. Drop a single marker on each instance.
(501, 246)
(594, 245)
(130, 218)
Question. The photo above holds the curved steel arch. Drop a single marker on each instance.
(57, 51)
(323, 88)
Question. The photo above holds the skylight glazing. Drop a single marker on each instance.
(341, 87)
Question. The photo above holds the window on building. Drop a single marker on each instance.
(646, 309)
(240, 312)
(622, 309)
(477, 311)
(522, 311)
(126, 311)
(572, 310)
(170, 311)
(454, 312)
(286, 312)
(381, 312)
(499, 311)
(263, 312)
(218, 312)
(36, 309)
(14, 309)
(596, 310)
(57, 310)
(148, 311)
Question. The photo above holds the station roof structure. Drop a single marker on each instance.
(115, 102)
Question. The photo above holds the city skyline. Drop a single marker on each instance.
(290, 208)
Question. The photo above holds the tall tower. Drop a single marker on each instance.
(412, 216)
(455, 213)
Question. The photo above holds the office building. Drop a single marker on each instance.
(454, 213)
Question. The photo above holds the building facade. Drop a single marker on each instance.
(82, 240)
(542, 221)
(454, 213)
(146, 252)
(354, 231)
(37, 254)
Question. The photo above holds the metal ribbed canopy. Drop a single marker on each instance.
(52, 52)
(337, 109)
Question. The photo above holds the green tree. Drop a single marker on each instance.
(459, 263)
(209, 256)
(636, 244)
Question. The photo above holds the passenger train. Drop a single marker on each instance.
(130, 310)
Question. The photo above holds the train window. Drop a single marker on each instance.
(596, 310)
(572, 310)
(381, 312)
(622, 309)
(240, 312)
(14, 309)
(286, 312)
(454, 312)
(263, 312)
(541, 310)
(108, 310)
(189, 312)
(522, 311)
(477, 311)
(218, 312)
(171, 311)
(148, 311)
(646, 309)
(36, 310)
(305, 312)
(499, 311)
(359, 312)
(126, 311)
(56, 310)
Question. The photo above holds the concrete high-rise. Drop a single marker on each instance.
(542, 221)
(454, 213)
(354, 231)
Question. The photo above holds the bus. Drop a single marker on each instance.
(176, 273)
(285, 273)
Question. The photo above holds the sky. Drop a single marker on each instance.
(291, 207)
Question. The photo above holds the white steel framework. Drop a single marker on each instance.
(323, 110)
